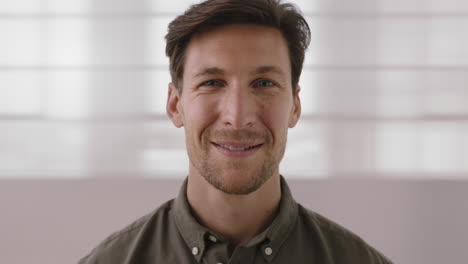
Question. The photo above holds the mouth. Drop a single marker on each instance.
(237, 149)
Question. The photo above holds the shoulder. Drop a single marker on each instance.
(339, 243)
(120, 245)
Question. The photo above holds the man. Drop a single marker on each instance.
(235, 67)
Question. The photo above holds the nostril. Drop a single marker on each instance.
(240, 125)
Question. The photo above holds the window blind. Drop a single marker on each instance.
(83, 86)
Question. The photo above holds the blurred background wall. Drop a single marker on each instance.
(384, 129)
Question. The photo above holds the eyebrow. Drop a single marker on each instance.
(209, 71)
(268, 69)
(259, 70)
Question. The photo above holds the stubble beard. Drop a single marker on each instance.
(214, 174)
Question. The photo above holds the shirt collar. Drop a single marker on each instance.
(192, 232)
(283, 223)
(272, 237)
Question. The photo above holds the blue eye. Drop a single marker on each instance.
(264, 83)
(212, 83)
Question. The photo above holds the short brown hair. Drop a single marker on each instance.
(215, 13)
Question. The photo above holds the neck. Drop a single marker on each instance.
(237, 217)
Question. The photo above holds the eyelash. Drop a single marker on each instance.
(221, 83)
(272, 83)
(215, 83)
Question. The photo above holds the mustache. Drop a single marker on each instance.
(239, 135)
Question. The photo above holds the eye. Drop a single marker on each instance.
(212, 83)
(264, 83)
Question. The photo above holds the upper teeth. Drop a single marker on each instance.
(234, 148)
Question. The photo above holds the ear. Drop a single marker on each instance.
(173, 106)
(296, 110)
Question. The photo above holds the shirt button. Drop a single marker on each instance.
(268, 251)
(195, 251)
(213, 239)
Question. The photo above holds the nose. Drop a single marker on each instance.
(239, 107)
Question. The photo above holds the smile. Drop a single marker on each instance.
(237, 150)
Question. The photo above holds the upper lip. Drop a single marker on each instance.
(236, 144)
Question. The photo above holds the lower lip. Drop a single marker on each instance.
(237, 153)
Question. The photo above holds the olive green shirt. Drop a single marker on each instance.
(171, 234)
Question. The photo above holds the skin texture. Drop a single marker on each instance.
(236, 91)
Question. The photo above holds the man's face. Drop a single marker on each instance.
(236, 105)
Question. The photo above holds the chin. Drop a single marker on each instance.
(238, 182)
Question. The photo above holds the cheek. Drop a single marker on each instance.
(276, 118)
(279, 111)
(198, 115)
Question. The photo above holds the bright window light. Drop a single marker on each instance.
(67, 95)
(20, 93)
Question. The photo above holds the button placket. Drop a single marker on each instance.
(268, 251)
(195, 251)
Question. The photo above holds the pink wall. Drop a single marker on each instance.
(56, 222)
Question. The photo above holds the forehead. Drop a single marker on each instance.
(235, 48)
